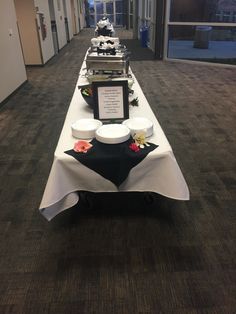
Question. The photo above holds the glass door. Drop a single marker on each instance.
(119, 13)
(109, 10)
(90, 13)
(113, 9)
(201, 31)
(99, 10)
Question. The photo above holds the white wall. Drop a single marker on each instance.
(76, 16)
(47, 43)
(26, 17)
(140, 14)
(69, 18)
(51, 10)
(142, 6)
(60, 22)
(82, 15)
(152, 30)
(12, 68)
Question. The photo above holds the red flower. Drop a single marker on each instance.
(134, 147)
(82, 146)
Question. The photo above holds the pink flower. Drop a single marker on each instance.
(134, 147)
(82, 146)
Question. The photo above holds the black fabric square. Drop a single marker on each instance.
(112, 161)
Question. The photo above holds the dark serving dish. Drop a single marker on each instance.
(87, 95)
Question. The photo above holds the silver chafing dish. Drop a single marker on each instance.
(99, 61)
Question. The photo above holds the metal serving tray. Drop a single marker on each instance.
(103, 62)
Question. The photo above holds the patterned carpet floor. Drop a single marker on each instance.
(121, 253)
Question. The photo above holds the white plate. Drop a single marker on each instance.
(139, 124)
(85, 128)
(112, 133)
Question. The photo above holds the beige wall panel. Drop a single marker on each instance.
(12, 68)
(47, 42)
(26, 17)
(59, 17)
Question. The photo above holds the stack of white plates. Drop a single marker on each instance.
(112, 134)
(85, 128)
(139, 124)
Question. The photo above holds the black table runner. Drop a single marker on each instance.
(112, 161)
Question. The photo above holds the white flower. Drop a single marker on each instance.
(140, 139)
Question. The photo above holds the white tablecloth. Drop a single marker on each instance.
(158, 172)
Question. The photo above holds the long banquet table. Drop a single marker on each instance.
(158, 172)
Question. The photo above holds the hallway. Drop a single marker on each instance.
(121, 255)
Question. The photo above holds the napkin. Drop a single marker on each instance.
(112, 161)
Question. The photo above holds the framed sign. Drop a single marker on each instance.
(111, 103)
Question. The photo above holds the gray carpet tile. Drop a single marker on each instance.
(127, 252)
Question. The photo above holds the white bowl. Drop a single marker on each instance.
(112, 134)
(85, 128)
(139, 124)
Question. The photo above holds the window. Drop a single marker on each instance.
(202, 30)
(201, 10)
(113, 9)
